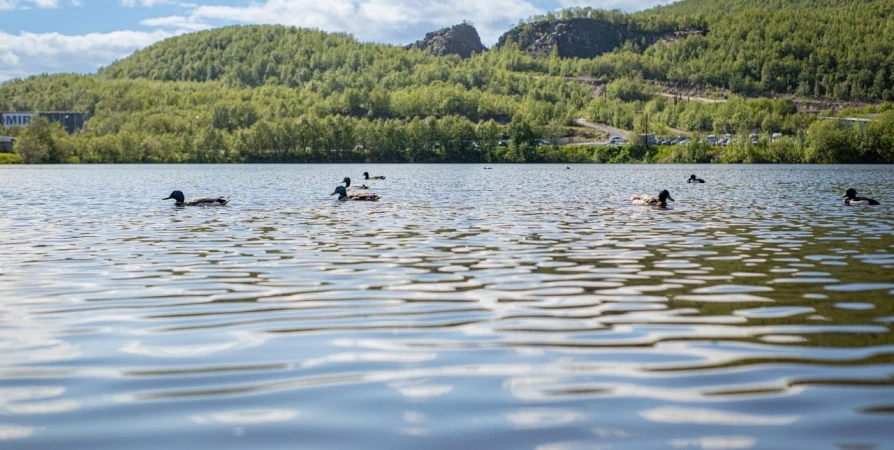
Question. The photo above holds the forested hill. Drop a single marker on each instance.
(265, 54)
(838, 49)
(824, 48)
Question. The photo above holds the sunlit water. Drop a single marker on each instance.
(524, 307)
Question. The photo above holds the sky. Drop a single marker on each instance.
(52, 36)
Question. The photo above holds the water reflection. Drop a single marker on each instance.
(249, 417)
(716, 443)
(713, 417)
(549, 318)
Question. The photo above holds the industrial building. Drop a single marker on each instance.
(6, 144)
(70, 120)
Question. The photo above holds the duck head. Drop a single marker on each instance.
(692, 178)
(851, 194)
(341, 191)
(365, 175)
(347, 182)
(176, 195)
(664, 196)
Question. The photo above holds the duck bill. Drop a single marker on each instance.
(671, 199)
(167, 198)
(334, 193)
(844, 196)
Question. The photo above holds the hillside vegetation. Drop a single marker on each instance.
(273, 93)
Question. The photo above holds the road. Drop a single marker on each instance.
(610, 130)
(694, 99)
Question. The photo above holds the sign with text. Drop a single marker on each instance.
(17, 119)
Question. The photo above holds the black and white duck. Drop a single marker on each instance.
(180, 200)
(851, 199)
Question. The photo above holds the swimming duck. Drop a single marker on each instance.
(850, 198)
(198, 201)
(347, 182)
(649, 200)
(693, 179)
(367, 177)
(343, 195)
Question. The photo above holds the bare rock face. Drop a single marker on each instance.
(574, 38)
(462, 40)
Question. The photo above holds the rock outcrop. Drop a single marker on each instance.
(574, 38)
(462, 40)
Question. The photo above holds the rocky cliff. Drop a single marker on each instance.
(574, 38)
(462, 40)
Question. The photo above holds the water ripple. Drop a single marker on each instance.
(526, 307)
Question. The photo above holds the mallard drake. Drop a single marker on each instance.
(850, 198)
(198, 201)
(693, 179)
(367, 177)
(347, 182)
(649, 200)
(365, 196)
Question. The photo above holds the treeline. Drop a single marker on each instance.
(825, 142)
(307, 139)
(450, 139)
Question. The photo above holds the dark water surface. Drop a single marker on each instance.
(525, 307)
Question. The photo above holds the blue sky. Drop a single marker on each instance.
(50, 36)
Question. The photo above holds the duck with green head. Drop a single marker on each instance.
(343, 195)
(180, 200)
(650, 200)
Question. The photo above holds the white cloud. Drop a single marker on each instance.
(397, 21)
(176, 22)
(28, 54)
(623, 5)
(25, 4)
(144, 3)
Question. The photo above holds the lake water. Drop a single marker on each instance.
(524, 307)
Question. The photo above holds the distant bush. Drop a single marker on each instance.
(10, 158)
(628, 90)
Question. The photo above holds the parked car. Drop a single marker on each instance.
(617, 140)
(503, 144)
